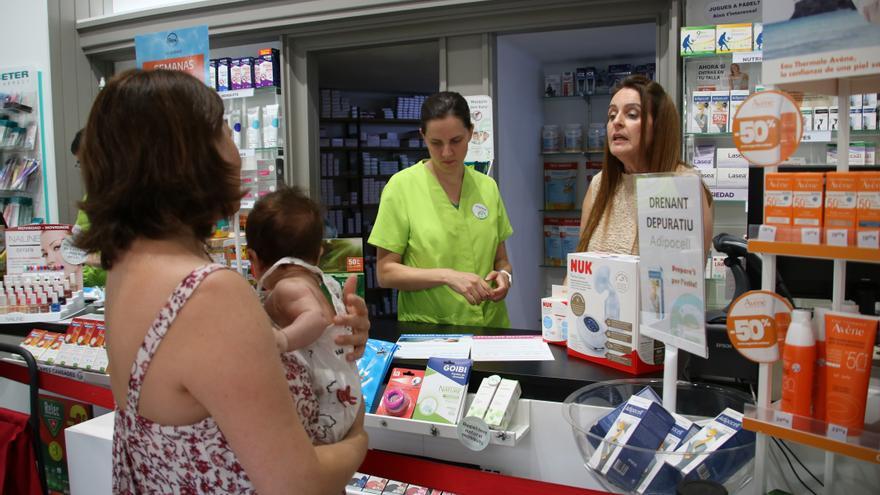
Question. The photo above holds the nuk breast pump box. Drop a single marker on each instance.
(603, 313)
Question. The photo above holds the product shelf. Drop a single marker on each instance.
(74, 305)
(809, 136)
(808, 431)
(516, 430)
(552, 266)
(797, 249)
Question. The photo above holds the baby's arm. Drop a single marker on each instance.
(296, 302)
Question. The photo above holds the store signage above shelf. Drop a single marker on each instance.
(747, 57)
(816, 137)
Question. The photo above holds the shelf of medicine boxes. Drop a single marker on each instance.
(249, 92)
(516, 430)
(863, 445)
(355, 120)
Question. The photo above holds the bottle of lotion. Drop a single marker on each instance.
(799, 360)
(819, 386)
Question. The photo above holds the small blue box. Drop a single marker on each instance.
(603, 425)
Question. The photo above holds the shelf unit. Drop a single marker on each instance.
(350, 185)
(22, 149)
(763, 418)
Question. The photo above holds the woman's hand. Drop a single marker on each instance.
(502, 285)
(472, 287)
(357, 318)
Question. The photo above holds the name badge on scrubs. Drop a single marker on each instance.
(480, 211)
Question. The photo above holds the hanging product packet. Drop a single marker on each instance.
(372, 367)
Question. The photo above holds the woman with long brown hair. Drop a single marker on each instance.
(643, 137)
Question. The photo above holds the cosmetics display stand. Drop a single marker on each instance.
(765, 418)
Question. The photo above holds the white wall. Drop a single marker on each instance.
(28, 24)
(520, 114)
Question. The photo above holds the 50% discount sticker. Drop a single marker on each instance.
(767, 128)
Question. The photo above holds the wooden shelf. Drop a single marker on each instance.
(815, 251)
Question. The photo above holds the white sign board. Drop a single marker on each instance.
(670, 211)
(811, 41)
(481, 149)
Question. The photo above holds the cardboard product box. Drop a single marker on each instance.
(603, 313)
(270, 170)
(401, 393)
(833, 118)
(642, 425)
(601, 428)
(56, 414)
(224, 77)
(700, 112)
(31, 342)
(777, 198)
(235, 74)
(697, 40)
(52, 343)
(807, 199)
(725, 431)
(552, 85)
(868, 199)
(267, 69)
(503, 404)
(807, 118)
(552, 242)
(580, 81)
(757, 36)
(568, 83)
(375, 485)
(710, 177)
(554, 321)
(855, 118)
(483, 398)
(821, 119)
(841, 197)
(69, 352)
(681, 431)
(704, 156)
(246, 66)
(869, 118)
(733, 178)
(443, 392)
(720, 111)
(733, 38)
(737, 97)
(212, 74)
(730, 158)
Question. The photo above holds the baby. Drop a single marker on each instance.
(284, 234)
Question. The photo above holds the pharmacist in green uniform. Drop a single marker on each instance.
(441, 228)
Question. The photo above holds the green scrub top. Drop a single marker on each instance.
(417, 221)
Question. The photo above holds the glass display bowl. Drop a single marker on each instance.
(728, 466)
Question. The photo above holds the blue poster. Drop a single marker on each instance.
(184, 49)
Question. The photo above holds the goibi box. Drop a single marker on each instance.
(628, 448)
(441, 398)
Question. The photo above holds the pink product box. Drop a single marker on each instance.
(246, 65)
(235, 74)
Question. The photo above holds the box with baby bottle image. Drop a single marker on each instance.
(596, 316)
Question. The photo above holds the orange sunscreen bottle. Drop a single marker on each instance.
(799, 361)
(849, 344)
(820, 377)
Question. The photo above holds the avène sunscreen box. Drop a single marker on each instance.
(778, 199)
(868, 201)
(807, 199)
(841, 192)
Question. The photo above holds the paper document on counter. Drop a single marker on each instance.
(511, 348)
(424, 346)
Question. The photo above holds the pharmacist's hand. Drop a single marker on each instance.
(472, 287)
(357, 319)
(502, 285)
